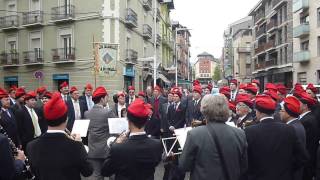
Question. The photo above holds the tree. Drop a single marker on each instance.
(216, 74)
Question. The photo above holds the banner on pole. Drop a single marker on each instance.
(106, 57)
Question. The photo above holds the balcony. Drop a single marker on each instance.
(271, 62)
(270, 45)
(131, 18)
(32, 18)
(147, 4)
(260, 65)
(302, 56)
(260, 49)
(272, 25)
(9, 22)
(9, 59)
(299, 4)
(261, 31)
(63, 13)
(244, 49)
(277, 3)
(33, 57)
(301, 31)
(158, 15)
(147, 31)
(131, 56)
(158, 39)
(259, 17)
(62, 55)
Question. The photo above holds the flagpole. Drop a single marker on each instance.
(95, 62)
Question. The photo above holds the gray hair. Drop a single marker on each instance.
(215, 108)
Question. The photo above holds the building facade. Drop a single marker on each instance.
(306, 42)
(47, 42)
(272, 42)
(204, 67)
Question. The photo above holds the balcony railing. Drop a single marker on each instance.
(260, 16)
(158, 15)
(63, 13)
(147, 4)
(131, 18)
(131, 56)
(33, 57)
(259, 49)
(269, 45)
(302, 56)
(158, 39)
(147, 31)
(63, 54)
(301, 31)
(271, 62)
(260, 32)
(9, 59)
(244, 49)
(9, 22)
(32, 18)
(299, 4)
(272, 25)
(260, 65)
(275, 3)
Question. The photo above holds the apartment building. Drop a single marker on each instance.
(47, 42)
(204, 67)
(306, 42)
(272, 41)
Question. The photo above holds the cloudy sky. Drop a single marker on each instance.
(208, 19)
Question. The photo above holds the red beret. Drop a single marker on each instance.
(282, 89)
(298, 89)
(48, 94)
(30, 95)
(64, 84)
(252, 88)
(234, 81)
(20, 92)
(99, 92)
(121, 94)
(3, 93)
(196, 82)
(73, 89)
(131, 88)
(157, 88)
(41, 90)
(139, 109)
(197, 89)
(305, 98)
(141, 93)
(242, 86)
(270, 86)
(210, 86)
(265, 102)
(256, 81)
(292, 104)
(55, 108)
(13, 88)
(225, 91)
(245, 98)
(177, 92)
(312, 88)
(232, 107)
(89, 86)
(272, 94)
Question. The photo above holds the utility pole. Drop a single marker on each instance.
(155, 44)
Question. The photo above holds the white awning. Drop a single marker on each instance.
(163, 78)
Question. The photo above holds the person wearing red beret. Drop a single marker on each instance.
(98, 130)
(225, 91)
(242, 89)
(256, 83)
(244, 107)
(233, 89)
(64, 90)
(76, 107)
(134, 155)
(195, 118)
(271, 87)
(40, 92)
(12, 95)
(142, 95)
(274, 150)
(65, 156)
(313, 91)
(311, 126)
(131, 95)
(208, 89)
(29, 120)
(87, 97)
(120, 105)
(282, 91)
(252, 90)
(19, 99)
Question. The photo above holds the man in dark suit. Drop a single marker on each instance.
(244, 107)
(75, 108)
(11, 166)
(56, 155)
(28, 120)
(136, 156)
(311, 127)
(154, 125)
(164, 110)
(7, 119)
(289, 113)
(12, 95)
(131, 95)
(64, 91)
(19, 101)
(275, 155)
(193, 114)
(98, 131)
(87, 97)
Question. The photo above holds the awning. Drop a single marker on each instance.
(11, 79)
(163, 78)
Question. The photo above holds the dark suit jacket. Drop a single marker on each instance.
(61, 158)
(25, 126)
(177, 117)
(310, 125)
(127, 99)
(9, 167)
(193, 112)
(201, 157)
(274, 151)
(135, 159)
(71, 116)
(154, 124)
(241, 123)
(9, 124)
(84, 99)
(164, 109)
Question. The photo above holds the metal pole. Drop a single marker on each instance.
(176, 59)
(188, 61)
(155, 45)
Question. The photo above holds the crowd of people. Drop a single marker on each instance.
(239, 131)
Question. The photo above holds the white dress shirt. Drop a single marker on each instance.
(269, 117)
(34, 118)
(76, 107)
(56, 131)
(133, 98)
(120, 107)
(13, 100)
(302, 115)
(291, 121)
(89, 102)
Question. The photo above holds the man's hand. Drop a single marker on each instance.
(196, 123)
(76, 137)
(21, 156)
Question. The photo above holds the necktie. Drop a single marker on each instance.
(37, 131)
(8, 113)
(65, 98)
(131, 100)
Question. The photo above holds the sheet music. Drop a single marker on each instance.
(81, 127)
(182, 135)
(118, 125)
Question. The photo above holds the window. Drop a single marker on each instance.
(285, 33)
(280, 36)
(11, 43)
(318, 18)
(280, 56)
(304, 46)
(302, 77)
(318, 46)
(285, 55)
(304, 20)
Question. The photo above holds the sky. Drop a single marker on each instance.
(207, 20)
